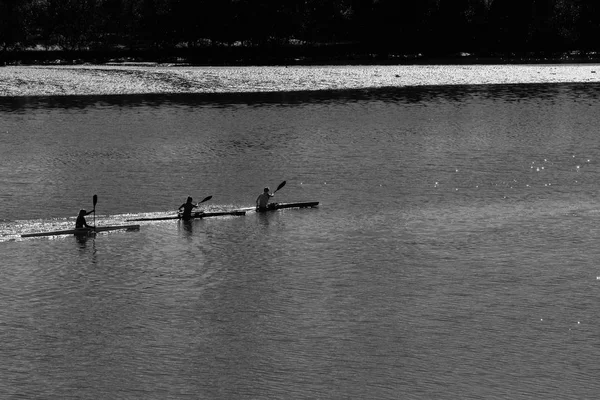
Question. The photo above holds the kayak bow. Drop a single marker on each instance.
(279, 206)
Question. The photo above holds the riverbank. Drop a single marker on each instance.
(155, 78)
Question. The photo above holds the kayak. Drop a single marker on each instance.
(279, 206)
(83, 231)
(194, 215)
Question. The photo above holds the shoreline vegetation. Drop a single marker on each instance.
(327, 54)
(298, 32)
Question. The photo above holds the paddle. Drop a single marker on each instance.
(282, 184)
(207, 198)
(94, 201)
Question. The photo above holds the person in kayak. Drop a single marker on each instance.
(81, 223)
(187, 207)
(262, 201)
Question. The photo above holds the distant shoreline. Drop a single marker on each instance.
(134, 78)
(286, 56)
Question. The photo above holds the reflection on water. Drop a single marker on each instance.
(455, 238)
(83, 240)
(187, 228)
(406, 95)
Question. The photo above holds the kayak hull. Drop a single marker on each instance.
(83, 231)
(194, 216)
(279, 206)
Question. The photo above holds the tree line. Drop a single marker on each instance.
(390, 27)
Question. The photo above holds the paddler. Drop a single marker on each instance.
(262, 201)
(80, 223)
(187, 207)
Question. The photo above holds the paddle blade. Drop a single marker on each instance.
(282, 184)
(207, 198)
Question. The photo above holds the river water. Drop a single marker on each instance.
(453, 253)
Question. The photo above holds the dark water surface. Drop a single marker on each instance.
(453, 255)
